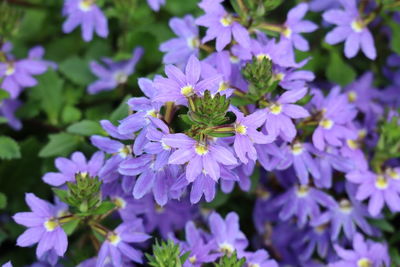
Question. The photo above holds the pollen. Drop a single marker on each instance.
(201, 149)
(152, 113)
(50, 225)
(223, 86)
(121, 77)
(381, 182)
(226, 248)
(302, 190)
(345, 206)
(352, 96)
(192, 259)
(10, 69)
(287, 32)
(352, 144)
(364, 262)
(114, 238)
(241, 129)
(187, 90)
(357, 25)
(326, 123)
(297, 149)
(279, 76)
(193, 42)
(261, 56)
(85, 5)
(125, 151)
(226, 20)
(275, 109)
(120, 203)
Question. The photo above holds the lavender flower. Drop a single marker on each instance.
(155, 4)
(221, 25)
(116, 244)
(178, 50)
(351, 28)
(178, 86)
(114, 73)
(7, 109)
(364, 253)
(69, 168)
(260, 258)
(295, 25)
(87, 14)
(43, 227)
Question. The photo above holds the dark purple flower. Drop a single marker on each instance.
(87, 14)
(113, 73)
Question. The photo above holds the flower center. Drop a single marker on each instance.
(241, 129)
(392, 174)
(345, 206)
(165, 146)
(326, 124)
(10, 69)
(357, 25)
(261, 56)
(226, 248)
(364, 262)
(275, 109)
(381, 182)
(159, 209)
(254, 265)
(302, 190)
(187, 90)
(287, 32)
(226, 20)
(50, 225)
(201, 149)
(234, 59)
(352, 96)
(120, 203)
(192, 259)
(152, 113)
(320, 229)
(125, 151)
(86, 5)
(223, 86)
(193, 42)
(114, 239)
(279, 76)
(352, 144)
(120, 77)
(297, 149)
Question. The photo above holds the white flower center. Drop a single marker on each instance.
(381, 182)
(261, 56)
(85, 5)
(352, 96)
(297, 149)
(241, 129)
(364, 262)
(187, 90)
(326, 124)
(223, 86)
(165, 146)
(345, 206)
(114, 239)
(192, 259)
(226, 20)
(302, 191)
(226, 248)
(201, 149)
(10, 69)
(120, 202)
(50, 225)
(125, 151)
(120, 77)
(287, 32)
(357, 25)
(275, 109)
(193, 42)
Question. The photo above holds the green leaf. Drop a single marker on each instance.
(395, 256)
(384, 225)
(220, 199)
(70, 227)
(59, 145)
(70, 114)
(3, 201)
(121, 111)
(61, 194)
(9, 149)
(49, 93)
(105, 207)
(4, 94)
(395, 41)
(86, 128)
(338, 71)
(76, 70)
(230, 261)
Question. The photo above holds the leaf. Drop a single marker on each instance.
(3, 201)
(76, 70)
(49, 93)
(105, 207)
(338, 71)
(61, 194)
(70, 227)
(121, 111)
(70, 114)
(86, 128)
(9, 149)
(59, 145)
(395, 41)
(220, 199)
(4, 94)
(384, 225)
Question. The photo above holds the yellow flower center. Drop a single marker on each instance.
(345, 206)
(50, 225)
(364, 262)
(261, 56)
(159, 209)
(392, 174)
(381, 182)
(114, 238)
(201, 149)
(226, 20)
(320, 229)
(352, 144)
(254, 265)
(297, 149)
(275, 109)
(287, 32)
(241, 129)
(326, 124)
(10, 69)
(152, 113)
(165, 146)
(352, 96)
(125, 151)
(302, 190)
(120, 203)
(357, 25)
(193, 42)
(279, 76)
(192, 259)
(86, 5)
(234, 59)
(223, 86)
(226, 248)
(187, 90)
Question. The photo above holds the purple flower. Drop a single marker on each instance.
(221, 25)
(69, 168)
(227, 234)
(379, 188)
(178, 50)
(295, 25)
(113, 73)
(178, 86)
(335, 114)
(116, 244)
(43, 227)
(259, 258)
(351, 28)
(17, 74)
(303, 202)
(201, 157)
(364, 253)
(281, 112)
(292, 79)
(7, 264)
(155, 4)
(246, 135)
(87, 14)
(7, 109)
